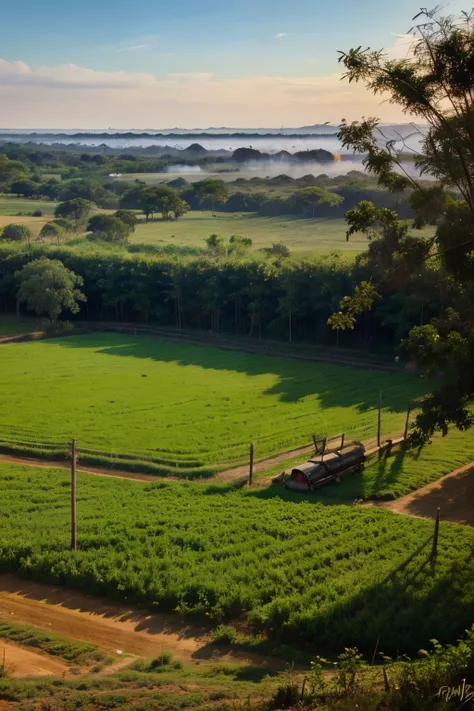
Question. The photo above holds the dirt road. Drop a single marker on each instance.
(114, 627)
(108, 625)
(99, 471)
(453, 493)
(229, 475)
(21, 662)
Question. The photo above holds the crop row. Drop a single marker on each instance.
(329, 576)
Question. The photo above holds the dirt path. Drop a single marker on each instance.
(453, 493)
(99, 471)
(114, 627)
(21, 662)
(233, 474)
(243, 471)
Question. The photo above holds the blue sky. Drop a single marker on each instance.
(222, 41)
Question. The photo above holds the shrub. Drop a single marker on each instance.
(163, 660)
(16, 233)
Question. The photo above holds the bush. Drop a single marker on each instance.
(278, 249)
(163, 660)
(37, 213)
(225, 634)
(16, 233)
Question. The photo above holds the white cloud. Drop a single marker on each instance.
(280, 35)
(72, 96)
(133, 44)
(133, 48)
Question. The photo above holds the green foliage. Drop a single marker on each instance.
(364, 296)
(314, 195)
(278, 249)
(203, 405)
(332, 576)
(48, 287)
(214, 190)
(76, 210)
(10, 171)
(128, 217)
(108, 228)
(216, 245)
(26, 188)
(51, 230)
(17, 233)
(432, 83)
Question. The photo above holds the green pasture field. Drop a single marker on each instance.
(182, 409)
(10, 205)
(299, 234)
(332, 576)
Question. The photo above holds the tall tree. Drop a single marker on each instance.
(48, 287)
(211, 188)
(77, 210)
(312, 196)
(434, 84)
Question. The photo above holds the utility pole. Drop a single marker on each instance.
(434, 550)
(73, 497)
(251, 464)
(379, 419)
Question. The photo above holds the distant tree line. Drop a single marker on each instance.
(229, 293)
(86, 177)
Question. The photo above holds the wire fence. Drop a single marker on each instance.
(374, 428)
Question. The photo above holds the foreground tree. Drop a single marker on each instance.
(434, 83)
(49, 288)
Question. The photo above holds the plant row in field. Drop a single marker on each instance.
(298, 571)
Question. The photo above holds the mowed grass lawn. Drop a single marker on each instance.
(191, 409)
(300, 235)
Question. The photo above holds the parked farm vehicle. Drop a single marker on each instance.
(324, 469)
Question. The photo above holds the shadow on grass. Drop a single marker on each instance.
(295, 380)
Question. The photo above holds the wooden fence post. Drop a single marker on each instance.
(343, 437)
(407, 422)
(73, 497)
(315, 444)
(251, 464)
(434, 551)
(385, 679)
(379, 420)
(325, 440)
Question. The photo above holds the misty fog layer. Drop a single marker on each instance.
(272, 144)
(271, 169)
